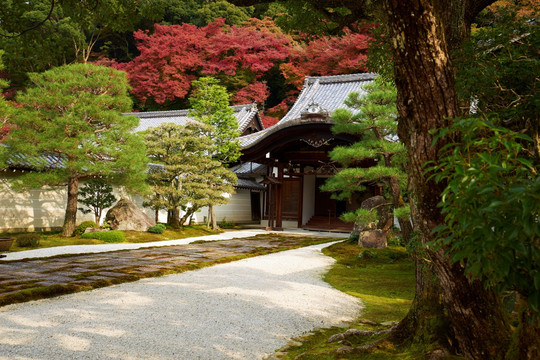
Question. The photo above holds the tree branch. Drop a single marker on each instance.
(35, 26)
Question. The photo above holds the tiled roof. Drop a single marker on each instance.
(329, 92)
(249, 184)
(44, 161)
(148, 119)
(249, 169)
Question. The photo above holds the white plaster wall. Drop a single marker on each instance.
(308, 198)
(238, 210)
(44, 208)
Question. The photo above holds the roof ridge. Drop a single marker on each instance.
(182, 112)
(340, 78)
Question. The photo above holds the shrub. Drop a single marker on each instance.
(224, 224)
(367, 254)
(112, 236)
(79, 230)
(157, 229)
(28, 240)
(393, 240)
(353, 238)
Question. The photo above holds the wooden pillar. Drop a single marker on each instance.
(301, 198)
(279, 196)
(270, 199)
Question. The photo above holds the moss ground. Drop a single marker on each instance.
(54, 238)
(384, 281)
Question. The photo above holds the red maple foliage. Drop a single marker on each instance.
(256, 92)
(174, 55)
(241, 57)
(326, 55)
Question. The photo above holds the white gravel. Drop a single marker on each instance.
(240, 310)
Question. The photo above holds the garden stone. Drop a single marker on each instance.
(372, 239)
(125, 215)
(385, 216)
(382, 211)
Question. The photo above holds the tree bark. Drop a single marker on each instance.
(427, 100)
(397, 201)
(173, 218)
(70, 218)
(212, 214)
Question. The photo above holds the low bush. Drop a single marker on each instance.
(353, 238)
(28, 240)
(79, 230)
(224, 224)
(112, 236)
(157, 229)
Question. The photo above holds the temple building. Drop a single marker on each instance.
(279, 174)
(294, 153)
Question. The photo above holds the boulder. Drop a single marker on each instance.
(372, 239)
(125, 215)
(383, 211)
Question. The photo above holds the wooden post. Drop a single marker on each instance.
(279, 195)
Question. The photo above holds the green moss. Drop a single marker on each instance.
(112, 236)
(385, 284)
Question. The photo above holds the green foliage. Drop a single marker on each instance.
(96, 195)
(224, 224)
(499, 68)
(353, 238)
(367, 254)
(403, 212)
(362, 217)
(210, 105)
(491, 206)
(157, 229)
(81, 228)
(201, 13)
(74, 113)
(70, 125)
(112, 236)
(374, 119)
(74, 31)
(6, 112)
(28, 240)
(188, 177)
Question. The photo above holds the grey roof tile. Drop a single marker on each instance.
(148, 119)
(329, 92)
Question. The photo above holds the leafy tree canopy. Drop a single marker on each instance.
(173, 56)
(70, 126)
(189, 177)
(210, 105)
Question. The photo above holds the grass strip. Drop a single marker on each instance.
(383, 279)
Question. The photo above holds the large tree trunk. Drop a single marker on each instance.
(173, 218)
(70, 219)
(427, 100)
(212, 216)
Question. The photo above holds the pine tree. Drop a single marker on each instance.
(210, 105)
(373, 117)
(6, 110)
(185, 175)
(96, 195)
(73, 115)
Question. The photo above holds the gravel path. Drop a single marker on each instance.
(240, 310)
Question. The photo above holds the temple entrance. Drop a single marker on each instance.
(291, 199)
(255, 206)
(324, 204)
